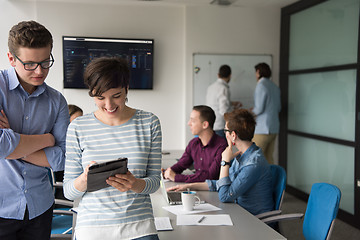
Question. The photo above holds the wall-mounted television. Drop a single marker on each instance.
(79, 51)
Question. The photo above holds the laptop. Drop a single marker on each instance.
(173, 198)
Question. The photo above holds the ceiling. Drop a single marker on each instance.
(222, 3)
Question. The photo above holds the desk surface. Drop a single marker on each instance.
(246, 226)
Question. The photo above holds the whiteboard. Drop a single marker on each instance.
(243, 80)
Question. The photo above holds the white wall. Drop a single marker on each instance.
(178, 32)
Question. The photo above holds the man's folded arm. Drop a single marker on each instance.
(30, 148)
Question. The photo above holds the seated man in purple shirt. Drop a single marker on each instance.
(203, 151)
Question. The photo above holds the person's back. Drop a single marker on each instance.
(267, 107)
(218, 98)
(258, 198)
(267, 114)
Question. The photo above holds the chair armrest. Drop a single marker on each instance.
(289, 216)
(60, 237)
(268, 214)
(58, 184)
(63, 212)
(64, 202)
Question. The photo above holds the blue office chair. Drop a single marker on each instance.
(321, 211)
(61, 227)
(278, 185)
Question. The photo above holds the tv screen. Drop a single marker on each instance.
(79, 51)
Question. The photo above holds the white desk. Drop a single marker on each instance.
(246, 226)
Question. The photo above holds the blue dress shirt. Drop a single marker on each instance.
(249, 183)
(44, 111)
(267, 107)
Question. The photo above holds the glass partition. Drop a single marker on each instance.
(323, 104)
(311, 161)
(324, 35)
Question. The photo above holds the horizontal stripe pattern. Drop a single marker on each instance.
(139, 140)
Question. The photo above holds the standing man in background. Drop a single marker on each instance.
(267, 108)
(218, 98)
(33, 122)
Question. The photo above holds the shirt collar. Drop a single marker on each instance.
(263, 79)
(211, 142)
(13, 79)
(14, 83)
(223, 82)
(248, 151)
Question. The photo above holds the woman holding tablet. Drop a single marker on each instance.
(245, 176)
(122, 210)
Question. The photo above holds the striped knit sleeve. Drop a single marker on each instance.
(73, 166)
(154, 164)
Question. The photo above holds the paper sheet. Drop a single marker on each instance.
(163, 224)
(179, 210)
(209, 220)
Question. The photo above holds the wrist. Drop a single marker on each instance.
(225, 163)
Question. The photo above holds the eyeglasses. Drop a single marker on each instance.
(31, 66)
(227, 130)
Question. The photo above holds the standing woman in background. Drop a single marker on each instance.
(123, 210)
(267, 108)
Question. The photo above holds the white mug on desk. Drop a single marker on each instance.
(188, 200)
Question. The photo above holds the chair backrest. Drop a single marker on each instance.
(321, 210)
(279, 184)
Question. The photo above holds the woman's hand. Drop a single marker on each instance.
(178, 188)
(126, 182)
(228, 154)
(80, 182)
(4, 122)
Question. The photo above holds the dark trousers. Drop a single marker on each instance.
(38, 228)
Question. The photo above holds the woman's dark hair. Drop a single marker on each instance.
(242, 122)
(264, 70)
(105, 73)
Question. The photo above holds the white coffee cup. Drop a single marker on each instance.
(188, 200)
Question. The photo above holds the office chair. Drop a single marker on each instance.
(320, 214)
(278, 185)
(62, 222)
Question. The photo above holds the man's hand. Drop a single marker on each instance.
(4, 122)
(169, 174)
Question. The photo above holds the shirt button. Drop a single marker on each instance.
(25, 191)
(24, 173)
(27, 117)
(201, 159)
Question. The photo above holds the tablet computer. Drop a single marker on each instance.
(98, 173)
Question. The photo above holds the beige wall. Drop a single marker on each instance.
(178, 31)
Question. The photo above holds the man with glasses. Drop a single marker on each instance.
(203, 151)
(33, 123)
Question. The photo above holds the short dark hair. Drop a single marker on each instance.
(105, 73)
(29, 34)
(242, 122)
(73, 109)
(264, 70)
(206, 114)
(224, 71)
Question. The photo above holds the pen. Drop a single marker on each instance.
(201, 219)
